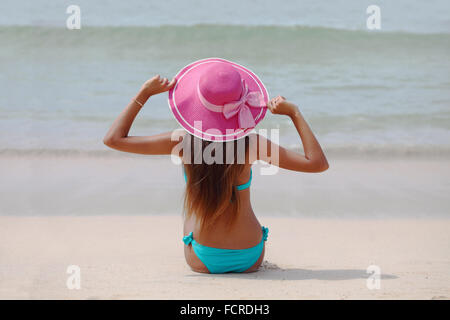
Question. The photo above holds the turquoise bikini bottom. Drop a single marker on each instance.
(227, 260)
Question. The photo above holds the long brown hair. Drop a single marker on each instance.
(210, 188)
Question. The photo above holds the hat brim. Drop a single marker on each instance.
(201, 122)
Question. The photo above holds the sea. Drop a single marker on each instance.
(380, 92)
(372, 93)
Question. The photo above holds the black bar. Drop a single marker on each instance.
(229, 309)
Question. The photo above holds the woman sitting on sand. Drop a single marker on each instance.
(219, 103)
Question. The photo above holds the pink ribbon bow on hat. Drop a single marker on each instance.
(240, 108)
(253, 99)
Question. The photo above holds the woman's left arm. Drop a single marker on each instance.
(117, 136)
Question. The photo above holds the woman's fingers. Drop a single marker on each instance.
(274, 104)
(158, 84)
(271, 105)
(171, 83)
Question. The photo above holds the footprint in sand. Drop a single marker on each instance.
(266, 265)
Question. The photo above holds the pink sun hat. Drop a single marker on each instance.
(218, 100)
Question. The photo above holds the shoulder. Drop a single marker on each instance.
(257, 141)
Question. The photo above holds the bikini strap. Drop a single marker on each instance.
(188, 239)
(265, 233)
(184, 173)
(247, 184)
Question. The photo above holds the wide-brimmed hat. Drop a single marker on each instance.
(218, 100)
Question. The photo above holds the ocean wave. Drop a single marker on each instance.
(198, 32)
(420, 16)
(257, 26)
(297, 46)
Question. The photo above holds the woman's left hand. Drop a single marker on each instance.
(157, 85)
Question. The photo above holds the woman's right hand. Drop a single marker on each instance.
(157, 85)
(279, 105)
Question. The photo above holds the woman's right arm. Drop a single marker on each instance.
(313, 160)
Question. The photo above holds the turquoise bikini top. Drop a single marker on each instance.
(239, 187)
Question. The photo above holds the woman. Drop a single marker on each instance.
(221, 231)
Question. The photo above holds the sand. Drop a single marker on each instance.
(117, 218)
(122, 184)
(141, 257)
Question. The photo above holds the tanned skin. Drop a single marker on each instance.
(247, 232)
